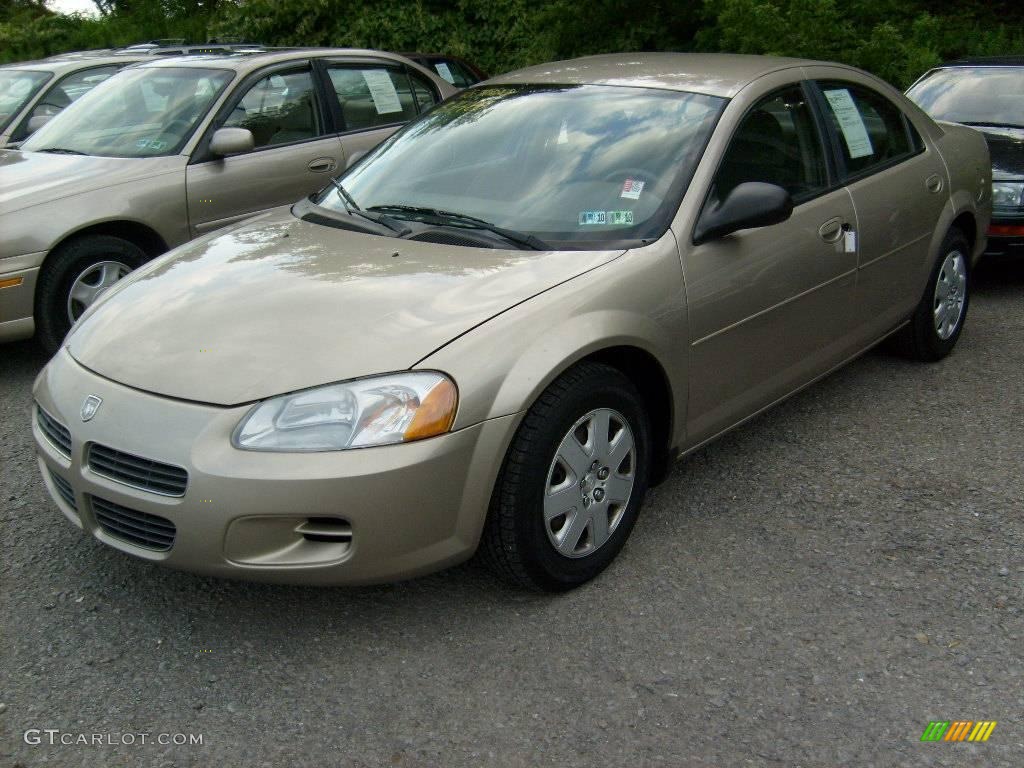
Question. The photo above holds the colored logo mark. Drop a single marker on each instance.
(958, 730)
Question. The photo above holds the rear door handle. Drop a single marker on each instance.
(832, 230)
(322, 165)
(933, 183)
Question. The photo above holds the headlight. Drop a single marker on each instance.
(1007, 194)
(396, 408)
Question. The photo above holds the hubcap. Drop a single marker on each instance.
(93, 281)
(950, 294)
(589, 483)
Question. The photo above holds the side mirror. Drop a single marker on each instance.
(232, 141)
(750, 204)
(37, 122)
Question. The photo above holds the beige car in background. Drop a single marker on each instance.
(495, 332)
(172, 148)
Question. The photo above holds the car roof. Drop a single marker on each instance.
(247, 61)
(715, 74)
(985, 61)
(60, 65)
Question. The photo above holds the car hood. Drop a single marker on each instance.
(280, 304)
(31, 178)
(1007, 149)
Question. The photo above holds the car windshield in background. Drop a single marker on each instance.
(561, 163)
(145, 112)
(980, 95)
(17, 86)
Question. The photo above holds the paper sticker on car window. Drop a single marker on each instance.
(382, 91)
(620, 217)
(631, 189)
(445, 72)
(593, 217)
(850, 123)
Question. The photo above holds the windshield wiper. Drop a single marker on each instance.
(470, 222)
(353, 209)
(61, 151)
(994, 125)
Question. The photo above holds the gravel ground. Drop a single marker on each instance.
(810, 590)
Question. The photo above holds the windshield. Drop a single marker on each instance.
(145, 112)
(562, 163)
(17, 86)
(985, 95)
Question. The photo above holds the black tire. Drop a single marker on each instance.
(515, 543)
(920, 339)
(62, 268)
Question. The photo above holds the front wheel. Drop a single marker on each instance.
(572, 483)
(939, 318)
(73, 278)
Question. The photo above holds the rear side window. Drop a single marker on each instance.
(373, 96)
(454, 72)
(279, 109)
(871, 130)
(777, 143)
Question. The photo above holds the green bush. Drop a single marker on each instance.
(895, 40)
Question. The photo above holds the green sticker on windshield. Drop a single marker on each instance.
(593, 217)
(620, 217)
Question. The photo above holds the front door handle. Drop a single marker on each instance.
(933, 183)
(831, 230)
(322, 165)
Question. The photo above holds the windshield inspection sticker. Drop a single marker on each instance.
(593, 217)
(850, 123)
(445, 72)
(620, 217)
(382, 91)
(631, 189)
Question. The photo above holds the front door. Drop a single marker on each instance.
(770, 308)
(294, 152)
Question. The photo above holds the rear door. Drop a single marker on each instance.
(372, 99)
(899, 187)
(296, 149)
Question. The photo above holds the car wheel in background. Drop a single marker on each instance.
(572, 483)
(74, 276)
(939, 318)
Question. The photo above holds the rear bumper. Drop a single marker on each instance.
(410, 508)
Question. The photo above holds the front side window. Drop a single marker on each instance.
(138, 112)
(65, 92)
(370, 97)
(973, 95)
(870, 128)
(564, 163)
(777, 143)
(279, 109)
(17, 87)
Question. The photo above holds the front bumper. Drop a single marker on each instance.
(18, 276)
(409, 509)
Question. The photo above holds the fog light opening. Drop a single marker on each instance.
(331, 530)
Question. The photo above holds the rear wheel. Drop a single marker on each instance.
(572, 483)
(939, 318)
(74, 276)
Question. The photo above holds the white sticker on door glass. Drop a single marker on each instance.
(445, 72)
(850, 123)
(382, 91)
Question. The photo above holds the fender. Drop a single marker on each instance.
(504, 370)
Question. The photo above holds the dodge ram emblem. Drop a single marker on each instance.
(90, 406)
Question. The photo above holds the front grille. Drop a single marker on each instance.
(138, 528)
(55, 432)
(145, 474)
(65, 491)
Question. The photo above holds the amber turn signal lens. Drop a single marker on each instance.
(11, 282)
(436, 413)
